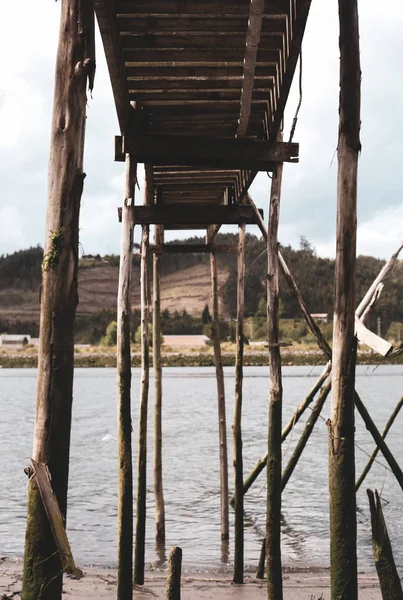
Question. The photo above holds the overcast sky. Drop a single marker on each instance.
(309, 188)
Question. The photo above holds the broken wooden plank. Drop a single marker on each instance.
(43, 479)
(367, 337)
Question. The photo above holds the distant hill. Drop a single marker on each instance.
(185, 285)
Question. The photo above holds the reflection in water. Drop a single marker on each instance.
(191, 467)
(224, 552)
(160, 552)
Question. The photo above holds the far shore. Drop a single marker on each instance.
(100, 584)
(98, 356)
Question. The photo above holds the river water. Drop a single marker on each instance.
(191, 468)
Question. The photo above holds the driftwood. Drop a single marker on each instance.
(142, 452)
(237, 432)
(389, 580)
(124, 374)
(376, 450)
(222, 426)
(42, 476)
(174, 574)
(75, 66)
(273, 513)
(158, 487)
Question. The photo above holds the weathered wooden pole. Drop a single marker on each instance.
(237, 432)
(124, 373)
(262, 561)
(374, 454)
(222, 425)
(75, 64)
(142, 444)
(158, 488)
(389, 580)
(273, 515)
(174, 574)
(343, 523)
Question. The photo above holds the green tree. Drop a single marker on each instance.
(111, 333)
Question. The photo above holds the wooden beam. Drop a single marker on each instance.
(106, 16)
(303, 7)
(197, 7)
(200, 214)
(192, 248)
(212, 152)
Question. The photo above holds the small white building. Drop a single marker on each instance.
(320, 317)
(186, 341)
(14, 341)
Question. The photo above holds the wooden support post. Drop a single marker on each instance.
(343, 522)
(174, 574)
(262, 561)
(75, 64)
(142, 447)
(374, 454)
(222, 425)
(273, 515)
(389, 580)
(237, 432)
(158, 488)
(124, 372)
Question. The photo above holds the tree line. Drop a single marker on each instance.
(313, 274)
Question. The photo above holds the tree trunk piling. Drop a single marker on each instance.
(374, 454)
(158, 484)
(222, 424)
(124, 376)
(262, 561)
(174, 574)
(75, 64)
(273, 514)
(343, 522)
(139, 564)
(389, 580)
(237, 432)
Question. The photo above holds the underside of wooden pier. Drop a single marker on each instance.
(200, 89)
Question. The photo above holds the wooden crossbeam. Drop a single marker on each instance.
(192, 248)
(194, 214)
(233, 153)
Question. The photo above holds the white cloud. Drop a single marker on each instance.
(309, 189)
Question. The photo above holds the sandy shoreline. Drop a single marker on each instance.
(100, 584)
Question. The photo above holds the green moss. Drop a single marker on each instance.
(51, 257)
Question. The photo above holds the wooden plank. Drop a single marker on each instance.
(177, 70)
(196, 7)
(223, 39)
(182, 214)
(219, 152)
(106, 16)
(367, 337)
(42, 475)
(191, 54)
(138, 23)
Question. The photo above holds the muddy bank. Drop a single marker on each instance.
(100, 584)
